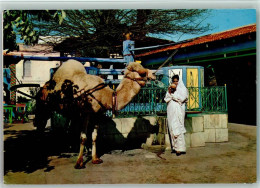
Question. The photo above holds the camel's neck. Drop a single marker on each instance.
(126, 91)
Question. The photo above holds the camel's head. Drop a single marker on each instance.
(137, 72)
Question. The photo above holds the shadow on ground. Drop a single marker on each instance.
(112, 139)
(27, 151)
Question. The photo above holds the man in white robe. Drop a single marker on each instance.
(176, 114)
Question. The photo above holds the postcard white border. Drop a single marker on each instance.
(135, 4)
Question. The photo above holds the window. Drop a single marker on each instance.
(27, 68)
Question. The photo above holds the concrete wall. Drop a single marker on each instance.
(152, 130)
(215, 126)
(136, 132)
(128, 133)
(203, 128)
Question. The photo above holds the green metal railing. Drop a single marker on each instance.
(207, 99)
(150, 101)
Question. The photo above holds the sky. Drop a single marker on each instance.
(222, 20)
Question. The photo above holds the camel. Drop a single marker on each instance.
(78, 95)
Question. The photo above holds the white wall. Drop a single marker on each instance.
(40, 71)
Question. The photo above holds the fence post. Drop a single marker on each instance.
(226, 97)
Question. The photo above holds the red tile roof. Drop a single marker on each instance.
(208, 38)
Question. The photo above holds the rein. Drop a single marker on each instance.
(90, 91)
(96, 88)
(136, 79)
(114, 96)
(114, 103)
(82, 94)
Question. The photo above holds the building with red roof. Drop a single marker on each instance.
(238, 39)
(228, 58)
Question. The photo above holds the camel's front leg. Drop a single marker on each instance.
(95, 159)
(83, 139)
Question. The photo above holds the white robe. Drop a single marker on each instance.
(176, 116)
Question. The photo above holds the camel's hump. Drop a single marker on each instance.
(70, 68)
(75, 72)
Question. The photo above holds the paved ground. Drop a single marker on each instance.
(30, 161)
